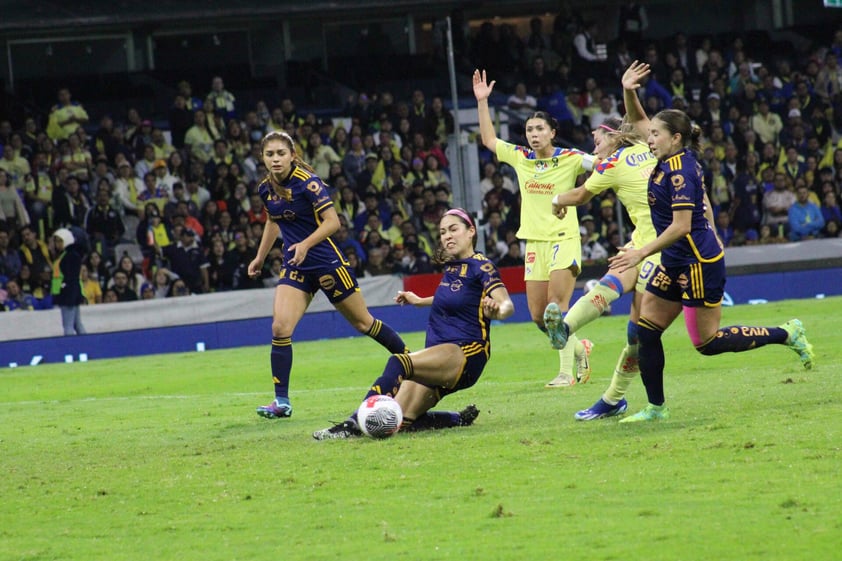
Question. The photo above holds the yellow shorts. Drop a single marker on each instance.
(542, 258)
(645, 269)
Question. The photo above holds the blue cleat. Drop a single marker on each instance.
(275, 410)
(556, 328)
(600, 410)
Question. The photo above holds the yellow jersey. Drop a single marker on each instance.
(541, 179)
(627, 171)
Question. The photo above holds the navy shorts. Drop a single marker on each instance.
(696, 285)
(476, 357)
(337, 283)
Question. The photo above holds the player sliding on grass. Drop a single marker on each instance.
(458, 344)
(691, 276)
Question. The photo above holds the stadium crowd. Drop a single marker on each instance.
(171, 207)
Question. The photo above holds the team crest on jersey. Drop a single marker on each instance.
(327, 282)
(541, 166)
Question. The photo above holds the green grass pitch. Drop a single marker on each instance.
(163, 458)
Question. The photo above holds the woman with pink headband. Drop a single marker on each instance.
(458, 344)
(553, 247)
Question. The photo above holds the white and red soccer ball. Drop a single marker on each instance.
(379, 416)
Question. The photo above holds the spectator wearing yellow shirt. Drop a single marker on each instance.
(198, 139)
(159, 144)
(65, 117)
(16, 167)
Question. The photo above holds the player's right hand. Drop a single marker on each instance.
(406, 297)
(482, 89)
(254, 267)
(633, 74)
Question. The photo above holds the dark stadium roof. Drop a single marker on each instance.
(41, 15)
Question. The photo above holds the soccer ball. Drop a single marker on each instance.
(379, 416)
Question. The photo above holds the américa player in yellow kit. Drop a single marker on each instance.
(553, 247)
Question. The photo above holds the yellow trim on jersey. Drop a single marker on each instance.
(301, 173)
(699, 256)
(682, 206)
(674, 162)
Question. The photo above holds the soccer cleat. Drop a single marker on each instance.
(649, 413)
(557, 331)
(797, 341)
(583, 363)
(561, 381)
(600, 410)
(468, 415)
(345, 429)
(275, 410)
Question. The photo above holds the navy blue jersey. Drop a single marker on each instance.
(457, 315)
(676, 184)
(297, 214)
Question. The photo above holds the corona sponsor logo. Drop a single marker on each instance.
(637, 159)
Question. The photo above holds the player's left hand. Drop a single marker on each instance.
(626, 259)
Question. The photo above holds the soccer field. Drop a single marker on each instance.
(163, 457)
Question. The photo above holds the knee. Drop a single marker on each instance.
(362, 324)
(281, 329)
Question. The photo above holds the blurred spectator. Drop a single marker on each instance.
(91, 289)
(223, 100)
(70, 203)
(16, 166)
(221, 268)
(65, 117)
(188, 261)
(439, 122)
(522, 103)
(776, 204)
(805, 219)
(592, 250)
(12, 210)
(633, 22)
(103, 223)
(513, 257)
(178, 288)
(16, 299)
(198, 139)
(10, 262)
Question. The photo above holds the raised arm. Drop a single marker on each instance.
(482, 90)
(635, 114)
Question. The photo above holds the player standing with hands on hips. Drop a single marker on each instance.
(299, 207)
(553, 247)
(691, 276)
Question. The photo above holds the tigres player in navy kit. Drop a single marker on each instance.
(300, 208)
(458, 343)
(691, 276)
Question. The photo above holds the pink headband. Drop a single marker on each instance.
(461, 214)
(606, 127)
